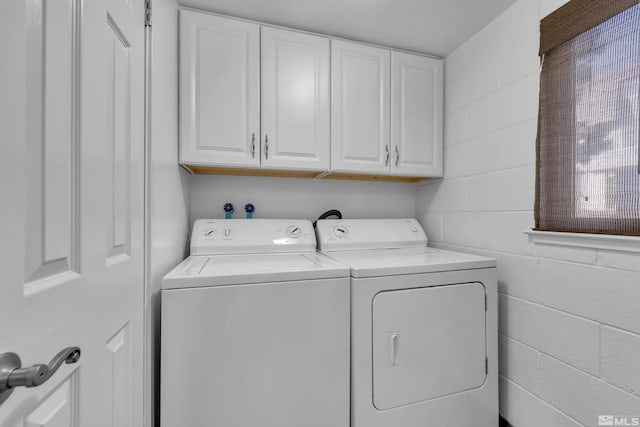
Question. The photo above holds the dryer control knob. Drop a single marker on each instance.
(340, 231)
(294, 231)
(414, 228)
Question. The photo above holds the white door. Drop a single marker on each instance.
(295, 100)
(219, 91)
(360, 85)
(71, 197)
(427, 343)
(416, 115)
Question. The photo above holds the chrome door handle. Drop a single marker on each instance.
(266, 147)
(253, 145)
(386, 149)
(13, 375)
(397, 155)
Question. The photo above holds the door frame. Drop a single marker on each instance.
(149, 400)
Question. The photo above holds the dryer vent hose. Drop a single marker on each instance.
(327, 214)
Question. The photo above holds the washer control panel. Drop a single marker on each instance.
(236, 236)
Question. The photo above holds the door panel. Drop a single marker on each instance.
(428, 343)
(52, 52)
(416, 115)
(119, 367)
(59, 409)
(72, 192)
(220, 90)
(360, 77)
(119, 142)
(295, 100)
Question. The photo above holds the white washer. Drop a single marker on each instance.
(423, 327)
(255, 329)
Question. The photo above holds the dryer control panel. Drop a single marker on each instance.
(362, 234)
(245, 236)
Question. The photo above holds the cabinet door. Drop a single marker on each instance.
(295, 100)
(416, 115)
(360, 77)
(219, 90)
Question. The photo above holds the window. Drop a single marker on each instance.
(588, 145)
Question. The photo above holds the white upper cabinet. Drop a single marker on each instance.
(219, 91)
(255, 96)
(416, 115)
(295, 100)
(360, 108)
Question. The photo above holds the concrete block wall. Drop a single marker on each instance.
(569, 317)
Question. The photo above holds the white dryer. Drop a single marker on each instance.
(423, 327)
(255, 329)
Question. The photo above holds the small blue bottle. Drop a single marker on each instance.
(228, 210)
(249, 209)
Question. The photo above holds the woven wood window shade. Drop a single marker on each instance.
(588, 149)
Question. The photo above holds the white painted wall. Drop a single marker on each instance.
(168, 192)
(569, 318)
(300, 198)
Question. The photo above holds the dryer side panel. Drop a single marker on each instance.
(428, 343)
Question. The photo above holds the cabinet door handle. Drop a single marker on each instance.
(266, 147)
(13, 375)
(253, 145)
(397, 155)
(386, 160)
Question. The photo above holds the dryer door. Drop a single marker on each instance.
(427, 343)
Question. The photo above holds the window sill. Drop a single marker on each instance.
(607, 242)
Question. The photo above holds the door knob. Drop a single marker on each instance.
(13, 375)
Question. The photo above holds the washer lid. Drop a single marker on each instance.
(391, 262)
(221, 270)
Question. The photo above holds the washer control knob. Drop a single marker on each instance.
(208, 232)
(414, 228)
(294, 231)
(227, 232)
(340, 231)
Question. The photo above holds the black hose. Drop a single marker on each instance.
(332, 212)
